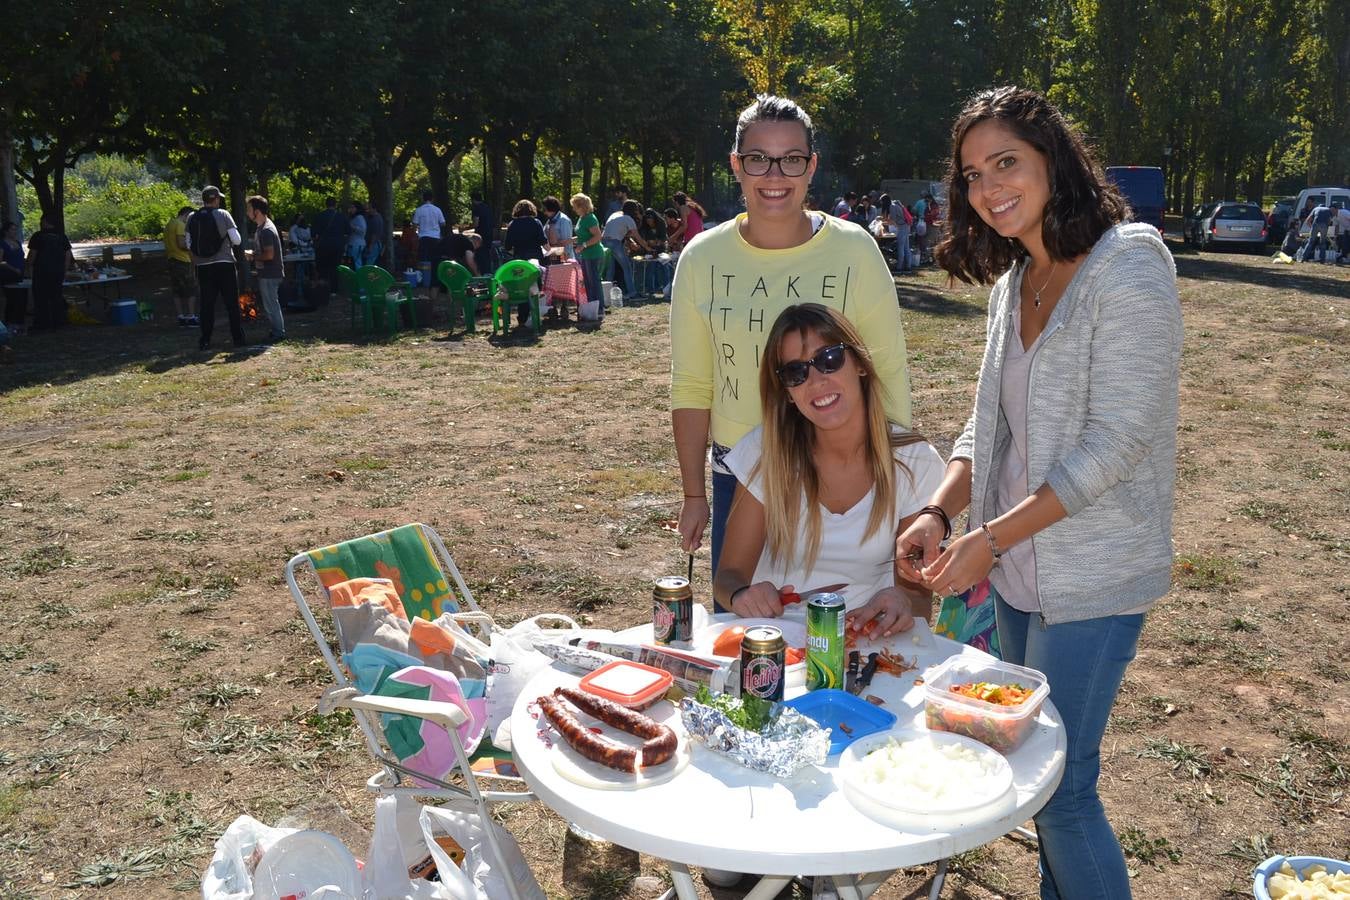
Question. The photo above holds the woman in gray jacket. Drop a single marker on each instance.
(1068, 461)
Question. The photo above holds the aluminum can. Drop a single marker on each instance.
(672, 611)
(762, 672)
(824, 641)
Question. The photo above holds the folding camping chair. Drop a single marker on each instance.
(414, 558)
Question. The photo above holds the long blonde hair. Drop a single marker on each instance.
(786, 465)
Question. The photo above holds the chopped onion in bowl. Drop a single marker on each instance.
(924, 774)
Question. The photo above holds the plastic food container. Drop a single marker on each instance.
(845, 716)
(629, 684)
(1000, 727)
(1261, 876)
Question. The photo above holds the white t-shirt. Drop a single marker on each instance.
(844, 555)
(618, 225)
(428, 218)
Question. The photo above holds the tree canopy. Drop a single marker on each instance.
(1233, 98)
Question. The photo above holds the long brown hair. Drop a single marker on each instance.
(786, 465)
(1083, 203)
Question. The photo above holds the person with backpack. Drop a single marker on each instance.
(212, 237)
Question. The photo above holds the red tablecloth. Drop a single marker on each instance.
(563, 281)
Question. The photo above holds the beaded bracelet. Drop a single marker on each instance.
(941, 514)
(993, 544)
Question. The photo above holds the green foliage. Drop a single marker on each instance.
(124, 210)
(1218, 91)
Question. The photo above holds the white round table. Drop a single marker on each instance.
(718, 814)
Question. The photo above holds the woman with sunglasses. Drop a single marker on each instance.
(1068, 462)
(731, 283)
(826, 482)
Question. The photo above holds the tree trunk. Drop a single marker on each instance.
(59, 194)
(648, 177)
(9, 195)
(586, 167)
(566, 178)
(598, 188)
(525, 161)
(382, 198)
(438, 170)
(238, 183)
(1256, 180)
(497, 169)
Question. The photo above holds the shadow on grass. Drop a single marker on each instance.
(159, 347)
(1311, 278)
(919, 296)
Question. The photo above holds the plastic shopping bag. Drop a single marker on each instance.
(230, 874)
(514, 662)
(396, 847)
(493, 867)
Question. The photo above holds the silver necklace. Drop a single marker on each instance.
(1036, 292)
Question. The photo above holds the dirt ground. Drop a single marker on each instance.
(157, 681)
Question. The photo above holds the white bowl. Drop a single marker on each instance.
(992, 797)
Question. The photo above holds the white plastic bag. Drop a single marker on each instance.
(589, 311)
(230, 874)
(393, 849)
(489, 872)
(514, 662)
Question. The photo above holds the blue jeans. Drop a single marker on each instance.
(619, 254)
(902, 246)
(723, 492)
(373, 252)
(1084, 662)
(590, 274)
(1317, 242)
(357, 251)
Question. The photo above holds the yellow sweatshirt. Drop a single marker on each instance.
(727, 295)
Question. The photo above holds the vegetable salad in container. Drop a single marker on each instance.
(995, 702)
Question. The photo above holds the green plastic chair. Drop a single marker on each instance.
(381, 288)
(516, 278)
(459, 283)
(348, 284)
(606, 267)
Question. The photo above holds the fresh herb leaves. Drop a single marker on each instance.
(750, 713)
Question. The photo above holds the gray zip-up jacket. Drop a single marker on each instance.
(1101, 426)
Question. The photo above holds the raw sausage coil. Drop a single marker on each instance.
(658, 747)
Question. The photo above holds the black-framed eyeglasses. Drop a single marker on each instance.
(791, 166)
(827, 361)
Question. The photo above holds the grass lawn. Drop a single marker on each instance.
(156, 680)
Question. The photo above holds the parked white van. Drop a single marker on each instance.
(1335, 197)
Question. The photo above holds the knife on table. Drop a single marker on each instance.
(851, 677)
(791, 597)
(865, 676)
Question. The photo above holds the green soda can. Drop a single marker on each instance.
(824, 641)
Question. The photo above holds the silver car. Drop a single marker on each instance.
(1234, 222)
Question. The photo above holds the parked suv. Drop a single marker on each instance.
(1233, 222)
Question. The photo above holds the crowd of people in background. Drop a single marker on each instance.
(1328, 234)
(902, 231)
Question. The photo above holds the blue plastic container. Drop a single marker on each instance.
(1299, 863)
(832, 708)
(123, 312)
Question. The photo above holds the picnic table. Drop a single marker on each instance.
(663, 263)
(98, 286)
(715, 813)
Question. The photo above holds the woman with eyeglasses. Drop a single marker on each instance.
(826, 483)
(733, 281)
(1068, 461)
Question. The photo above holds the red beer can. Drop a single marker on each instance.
(762, 671)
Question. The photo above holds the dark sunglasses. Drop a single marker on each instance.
(827, 361)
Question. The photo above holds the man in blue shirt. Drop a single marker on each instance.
(1318, 220)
